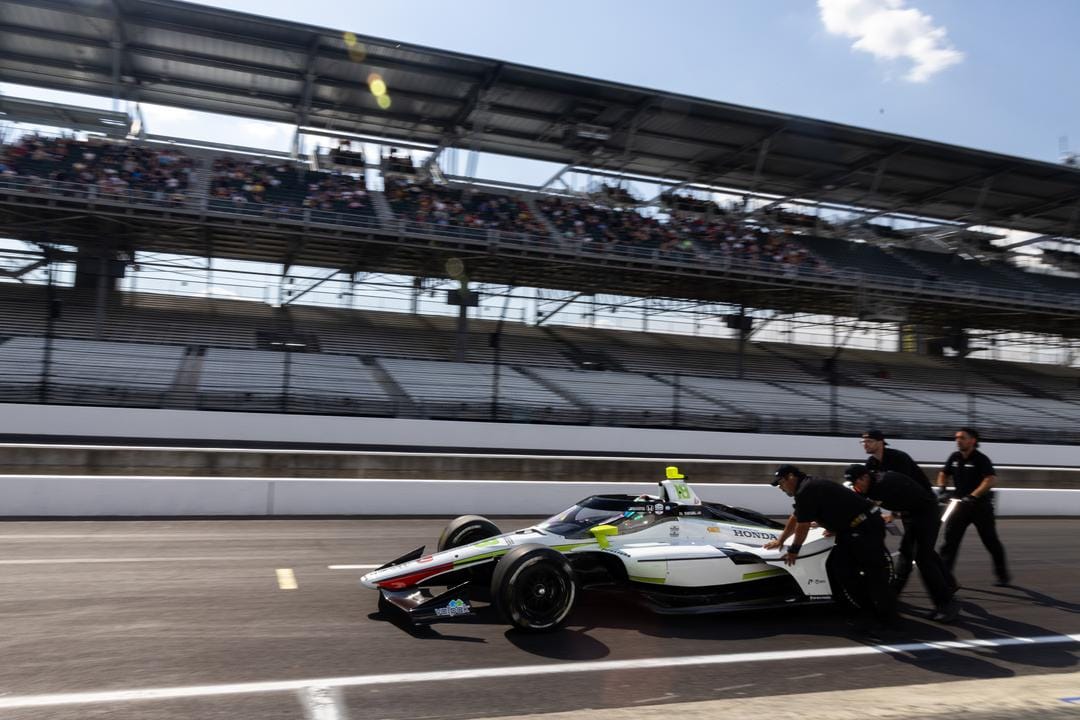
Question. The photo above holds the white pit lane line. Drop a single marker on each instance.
(326, 684)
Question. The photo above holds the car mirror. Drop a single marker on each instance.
(602, 533)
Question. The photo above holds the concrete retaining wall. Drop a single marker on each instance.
(99, 496)
(226, 429)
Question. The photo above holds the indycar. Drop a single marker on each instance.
(674, 552)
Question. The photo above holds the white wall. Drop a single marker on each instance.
(102, 496)
(107, 424)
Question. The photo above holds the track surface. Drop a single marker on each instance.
(122, 605)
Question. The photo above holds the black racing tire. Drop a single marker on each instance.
(533, 588)
(843, 594)
(466, 530)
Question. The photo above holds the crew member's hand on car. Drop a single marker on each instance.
(790, 558)
(772, 544)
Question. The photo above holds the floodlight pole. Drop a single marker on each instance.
(50, 311)
(742, 343)
(496, 347)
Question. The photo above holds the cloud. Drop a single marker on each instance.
(889, 31)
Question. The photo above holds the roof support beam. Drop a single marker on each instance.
(1054, 204)
(558, 177)
(914, 202)
(730, 161)
(303, 110)
(563, 304)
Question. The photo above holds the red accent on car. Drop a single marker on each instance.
(400, 583)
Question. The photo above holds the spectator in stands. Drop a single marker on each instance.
(883, 459)
(399, 163)
(282, 188)
(858, 558)
(973, 479)
(900, 493)
(100, 167)
(447, 207)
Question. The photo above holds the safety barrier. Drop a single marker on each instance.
(109, 496)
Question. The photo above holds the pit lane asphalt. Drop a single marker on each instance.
(127, 605)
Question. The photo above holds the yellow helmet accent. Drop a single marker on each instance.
(673, 473)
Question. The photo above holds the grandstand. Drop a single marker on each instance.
(813, 226)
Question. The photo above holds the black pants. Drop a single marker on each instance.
(981, 514)
(921, 528)
(905, 560)
(861, 561)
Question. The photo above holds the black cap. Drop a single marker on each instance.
(855, 471)
(875, 434)
(783, 471)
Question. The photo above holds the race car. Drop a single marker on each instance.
(673, 551)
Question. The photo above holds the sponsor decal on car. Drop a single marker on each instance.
(454, 607)
(758, 534)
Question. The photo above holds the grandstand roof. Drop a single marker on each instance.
(202, 58)
(104, 122)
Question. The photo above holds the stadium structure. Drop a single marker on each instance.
(512, 299)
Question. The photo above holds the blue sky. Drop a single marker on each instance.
(1014, 91)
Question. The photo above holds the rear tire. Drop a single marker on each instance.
(466, 530)
(533, 588)
(844, 595)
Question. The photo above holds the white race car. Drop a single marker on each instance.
(675, 552)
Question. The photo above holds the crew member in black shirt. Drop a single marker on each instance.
(973, 478)
(886, 458)
(860, 556)
(899, 493)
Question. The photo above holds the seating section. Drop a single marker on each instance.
(618, 398)
(449, 207)
(167, 351)
(86, 372)
(452, 390)
(951, 268)
(602, 229)
(286, 189)
(107, 169)
(861, 257)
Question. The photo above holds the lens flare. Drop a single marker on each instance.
(355, 48)
(378, 88)
(384, 101)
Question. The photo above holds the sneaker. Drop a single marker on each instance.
(1004, 581)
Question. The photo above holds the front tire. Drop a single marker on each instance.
(533, 588)
(466, 530)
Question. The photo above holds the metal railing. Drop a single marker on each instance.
(494, 240)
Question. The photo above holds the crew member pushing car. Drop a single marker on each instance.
(882, 458)
(922, 521)
(860, 557)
